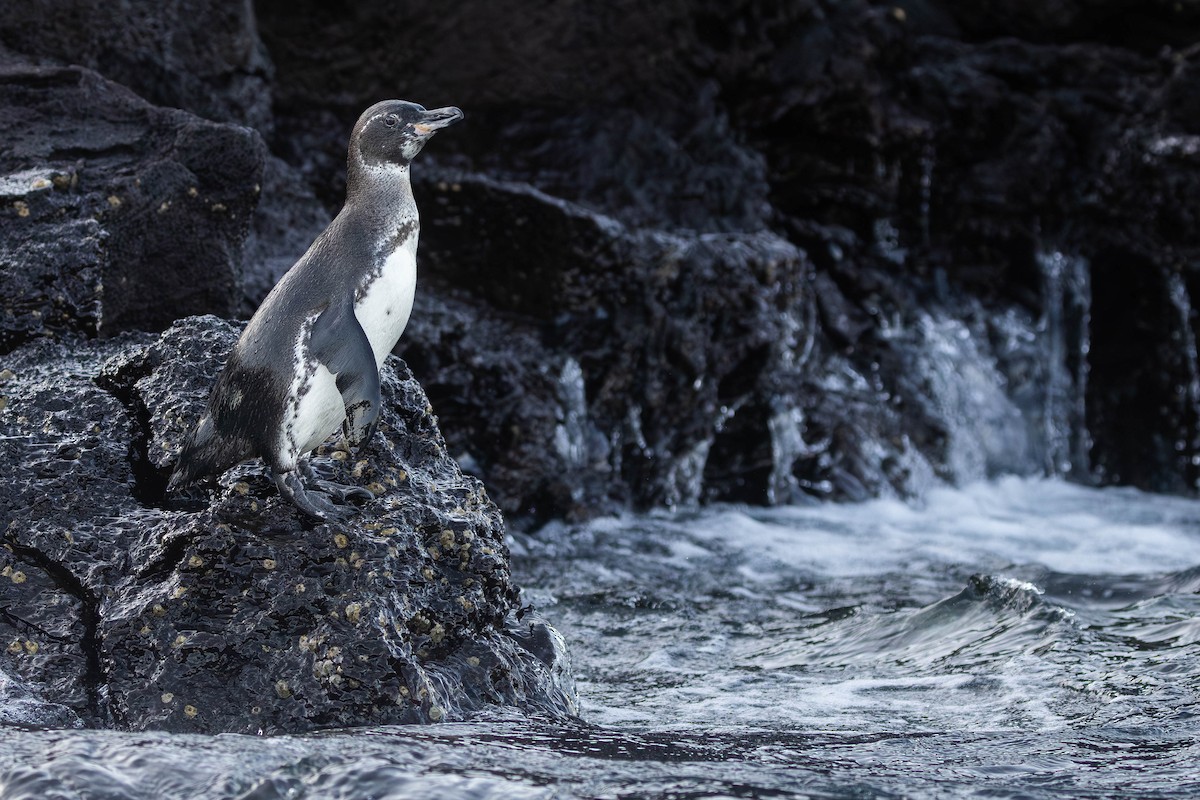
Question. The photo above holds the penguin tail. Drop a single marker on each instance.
(178, 479)
(205, 453)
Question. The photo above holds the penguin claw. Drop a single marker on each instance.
(314, 504)
(344, 494)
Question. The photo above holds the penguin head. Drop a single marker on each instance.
(394, 131)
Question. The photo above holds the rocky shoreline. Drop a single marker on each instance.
(228, 610)
(679, 254)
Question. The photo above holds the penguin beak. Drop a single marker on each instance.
(435, 119)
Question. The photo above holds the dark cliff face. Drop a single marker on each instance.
(198, 55)
(115, 214)
(746, 251)
(946, 157)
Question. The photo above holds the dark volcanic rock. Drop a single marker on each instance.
(287, 220)
(115, 214)
(232, 613)
(665, 368)
(981, 142)
(751, 250)
(625, 351)
(611, 104)
(920, 161)
(205, 57)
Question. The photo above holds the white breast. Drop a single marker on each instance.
(314, 404)
(315, 409)
(385, 304)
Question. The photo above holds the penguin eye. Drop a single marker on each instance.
(391, 120)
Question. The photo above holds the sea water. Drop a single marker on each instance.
(1015, 638)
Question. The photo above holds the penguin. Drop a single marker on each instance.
(308, 361)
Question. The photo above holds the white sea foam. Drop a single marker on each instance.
(865, 617)
(1060, 526)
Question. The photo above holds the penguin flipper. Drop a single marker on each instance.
(339, 342)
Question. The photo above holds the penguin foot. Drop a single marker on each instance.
(341, 492)
(315, 504)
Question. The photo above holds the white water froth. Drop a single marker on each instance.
(786, 427)
(1061, 526)
(1064, 341)
(1190, 390)
(570, 435)
(865, 617)
(964, 388)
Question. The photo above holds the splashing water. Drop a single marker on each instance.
(1020, 638)
(1065, 343)
(1190, 391)
(570, 435)
(956, 380)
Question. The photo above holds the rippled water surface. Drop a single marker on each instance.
(1013, 639)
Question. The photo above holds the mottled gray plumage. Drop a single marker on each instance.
(308, 360)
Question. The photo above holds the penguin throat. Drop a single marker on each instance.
(376, 166)
(384, 185)
(382, 168)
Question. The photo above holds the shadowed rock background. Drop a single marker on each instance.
(667, 237)
(750, 251)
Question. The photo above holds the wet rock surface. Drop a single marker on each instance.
(924, 165)
(650, 341)
(224, 610)
(202, 56)
(115, 214)
(922, 155)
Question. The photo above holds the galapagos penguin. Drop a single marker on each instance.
(308, 361)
